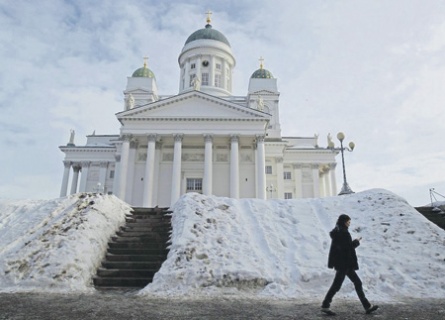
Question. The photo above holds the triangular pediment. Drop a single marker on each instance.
(193, 105)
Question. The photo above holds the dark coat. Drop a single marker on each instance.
(342, 254)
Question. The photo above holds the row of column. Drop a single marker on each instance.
(176, 169)
(78, 167)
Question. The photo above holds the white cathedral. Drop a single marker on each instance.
(203, 139)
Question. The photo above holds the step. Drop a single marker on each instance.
(133, 257)
(138, 251)
(149, 217)
(146, 265)
(136, 245)
(150, 239)
(155, 222)
(142, 234)
(156, 209)
(144, 228)
(126, 273)
(121, 282)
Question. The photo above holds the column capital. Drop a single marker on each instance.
(126, 137)
(332, 166)
(208, 138)
(178, 137)
(315, 166)
(259, 138)
(234, 138)
(279, 159)
(103, 164)
(67, 164)
(118, 158)
(85, 164)
(152, 137)
(134, 143)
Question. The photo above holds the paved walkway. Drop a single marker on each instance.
(111, 306)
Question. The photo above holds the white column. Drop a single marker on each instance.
(124, 166)
(149, 172)
(234, 167)
(117, 172)
(198, 68)
(131, 171)
(211, 72)
(176, 172)
(261, 168)
(316, 180)
(84, 176)
(224, 75)
(280, 178)
(66, 176)
(298, 178)
(208, 166)
(76, 169)
(103, 175)
(333, 179)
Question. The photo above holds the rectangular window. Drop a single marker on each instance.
(288, 195)
(287, 175)
(205, 79)
(217, 80)
(268, 169)
(192, 76)
(192, 66)
(218, 66)
(111, 174)
(194, 185)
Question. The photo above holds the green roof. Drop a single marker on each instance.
(144, 72)
(262, 74)
(207, 33)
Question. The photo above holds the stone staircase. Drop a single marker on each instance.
(137, 251)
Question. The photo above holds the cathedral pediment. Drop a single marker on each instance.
(193, 105)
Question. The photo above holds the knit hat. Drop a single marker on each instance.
(341, 221)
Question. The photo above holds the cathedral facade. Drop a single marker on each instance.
(203, 139)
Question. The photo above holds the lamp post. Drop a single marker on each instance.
(271, 188)
(345, 189)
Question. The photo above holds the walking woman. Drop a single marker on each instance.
(343, 259)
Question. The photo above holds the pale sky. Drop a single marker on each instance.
(374, 69)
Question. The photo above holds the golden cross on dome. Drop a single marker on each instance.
(261, 62)
(145, 61)
(209, 19)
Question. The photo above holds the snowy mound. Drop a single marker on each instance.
(56, 245)
(279, 248)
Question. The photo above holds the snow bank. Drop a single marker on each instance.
(56, 245)
(279, 248)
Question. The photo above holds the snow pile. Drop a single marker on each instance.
(279, 248)
(56, 245)
(222, 246)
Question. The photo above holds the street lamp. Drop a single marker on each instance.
(271, 188)
(341, 136)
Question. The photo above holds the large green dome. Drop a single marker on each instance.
(144, 72)
(262, 74)
(207, 33)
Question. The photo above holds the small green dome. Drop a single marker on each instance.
(144, 72)
(207, 33)
(262, 74)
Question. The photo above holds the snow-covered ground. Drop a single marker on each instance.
(223, 246)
